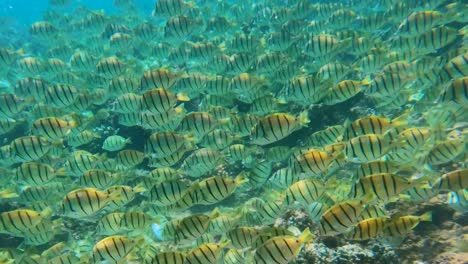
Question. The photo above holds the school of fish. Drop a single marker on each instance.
(191, 134)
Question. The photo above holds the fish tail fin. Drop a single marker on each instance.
(303, 118)
(61, 172)
(306, 236)
(46, 212)
(427, 216)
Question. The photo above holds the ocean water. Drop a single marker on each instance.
(277, 131)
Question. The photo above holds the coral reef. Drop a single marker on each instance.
(444, 240)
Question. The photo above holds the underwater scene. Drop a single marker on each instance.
(233, 132)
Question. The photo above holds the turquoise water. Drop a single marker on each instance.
(233, 131)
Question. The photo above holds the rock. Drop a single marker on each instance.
(452, 258)
(373, 252)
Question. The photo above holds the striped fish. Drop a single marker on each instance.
(192, 227)
(61, 95)
(10, 105)
(97, 178)
(373, 211)
(198, 124)
(456, 92)
(136, 220)
(383, 185)
(163, 144)
(125, 194)
(168, 257)
(127, 103)
(340, 217)
(277, 126)
(35, 173)
(110, 67)
(216, 189)
(368, 229)
(80, 161)
(168, 192)
(112, 249)
(367, 148)
(305, 191)
(452, 181)
(130, 158)
(311, 162)
(234, 256)
(446, 151)
(164, 174)
(344, 90)
(109, 224)
(281, 249)
(420, 22)
(206, 254)
(372, 125)
(85, 202)
(201, 161)
(30, 148)
(242, 237)
(52, 128)
(17, 222)
(400, 226)
(159, 78)
(160, 100)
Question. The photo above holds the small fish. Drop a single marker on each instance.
(312, 162)
(163, 144)
(18, 221)
(61, 95)
(281, 249)
(168, 257)
(113, 248)
(275, 127)
(35, 173)
(97, 178)
(344, 90)
(110, 67)
(30, 148)
(367, 148)
(305, 191)
(206, 253)
(160, 100)
(192, 227)
(168, 192)
(242, 237)
(115, 143)
(130, 158)
(420, 22)
(452, 181)
(368, 229)
(383, 185)
(458, 200)
(198, 124)
(340, 217)
(456, 92)
(201, 161)
(170, 8)
(400, 226)
(109, 224)
(373, 211)
(216, 189)
(53, 128)
(85, 202)
(10, 105)
(445, 151)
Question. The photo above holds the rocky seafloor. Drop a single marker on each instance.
(444, 240)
